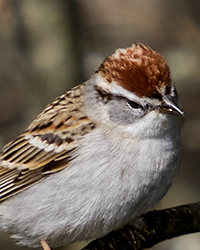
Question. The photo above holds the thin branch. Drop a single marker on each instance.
(155, 226)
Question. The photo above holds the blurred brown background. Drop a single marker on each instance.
(48, 46)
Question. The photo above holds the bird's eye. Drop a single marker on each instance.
(134, 105)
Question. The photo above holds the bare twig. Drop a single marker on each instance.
(156, 226)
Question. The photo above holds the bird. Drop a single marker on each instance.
(97, 157)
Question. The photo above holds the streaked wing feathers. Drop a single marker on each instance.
(48, 145)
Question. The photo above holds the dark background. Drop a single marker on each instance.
(48, 46)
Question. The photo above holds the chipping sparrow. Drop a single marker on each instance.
(97, 157)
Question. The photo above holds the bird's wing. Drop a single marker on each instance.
(47, 146)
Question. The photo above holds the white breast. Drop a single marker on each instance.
(105, 187)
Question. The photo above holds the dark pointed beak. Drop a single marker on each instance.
(170, 105)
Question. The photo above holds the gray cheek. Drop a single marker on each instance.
(121, 113)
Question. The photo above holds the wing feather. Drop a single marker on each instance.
(47, 146)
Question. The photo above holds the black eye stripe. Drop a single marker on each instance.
(103, 95)
(167, 90)
(134, 105)
(157, 95)
(106, 97)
